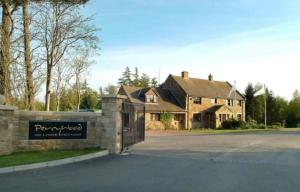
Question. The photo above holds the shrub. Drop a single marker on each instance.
(251, 124)
(291, 121)
(276, 125)
(166, 119)
(231, 124)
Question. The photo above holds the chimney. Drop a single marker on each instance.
(185, 75)
(210, 77)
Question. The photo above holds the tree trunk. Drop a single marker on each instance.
(27, 53)
(78, 91)
(5, 87)
(48, 92)
(57, 104)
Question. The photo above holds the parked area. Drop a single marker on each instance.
(260, 161)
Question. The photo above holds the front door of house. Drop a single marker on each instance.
(210, 119)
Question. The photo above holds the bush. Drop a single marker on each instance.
(166, 119)
(231, 124)
(291, 121)
(276, 125)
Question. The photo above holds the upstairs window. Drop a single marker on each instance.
(214, 101)
(240, 103)
(229, 102)
(151, 99)
(198, 100)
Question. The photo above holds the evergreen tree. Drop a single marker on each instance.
(249, 106)
(251, 102)
(126, 77)
(154, 82)
(136, 78)
(293, 111)
(101, 93)
(144, 80)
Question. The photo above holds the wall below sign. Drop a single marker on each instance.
(103, 130)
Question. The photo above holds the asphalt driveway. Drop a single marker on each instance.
(229, 162)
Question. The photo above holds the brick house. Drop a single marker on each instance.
(194, 103)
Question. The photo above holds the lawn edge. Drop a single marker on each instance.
(54, 162)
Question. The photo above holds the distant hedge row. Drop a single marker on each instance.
(235, 124)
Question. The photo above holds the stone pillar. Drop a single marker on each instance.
(8, 123)
(112, 121)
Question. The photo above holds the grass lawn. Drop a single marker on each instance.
(22, 158)
(220, 131)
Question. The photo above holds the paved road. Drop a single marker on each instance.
(230, 162)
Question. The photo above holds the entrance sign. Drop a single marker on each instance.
(39, 130)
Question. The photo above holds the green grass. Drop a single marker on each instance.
(22, 158)
(222, 131)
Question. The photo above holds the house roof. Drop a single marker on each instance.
(165, 100)
(216, 108)
(206, 88)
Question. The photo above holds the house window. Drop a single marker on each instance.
(126, 119)
(198, 100)
(220, 117)
(224, 117)
(151, 99)
(197, 117)
(240, 103)
(229, 102)
(212, 101)
(239, 116)
(154, 117)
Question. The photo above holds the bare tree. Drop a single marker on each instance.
(20, 72)
(111, 89)
(61, 28)
(80, 66)
(61, 77)
(7, 28)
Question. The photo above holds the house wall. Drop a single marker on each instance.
(158, 125)
(206, 103)
(153, 125)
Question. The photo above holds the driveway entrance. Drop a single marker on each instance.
(230, 162)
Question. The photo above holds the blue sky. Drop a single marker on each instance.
(235, 40)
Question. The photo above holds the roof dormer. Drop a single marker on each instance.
(150, 96)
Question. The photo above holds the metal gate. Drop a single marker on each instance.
(133, 124)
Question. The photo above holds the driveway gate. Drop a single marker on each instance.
(133, 129)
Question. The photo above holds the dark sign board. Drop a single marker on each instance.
(57, 130)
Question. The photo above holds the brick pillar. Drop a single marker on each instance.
(112, 121)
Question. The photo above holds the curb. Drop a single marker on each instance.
(53, 163)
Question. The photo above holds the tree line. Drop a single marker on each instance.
(45, 46)
(136, 79)
(279, 111)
